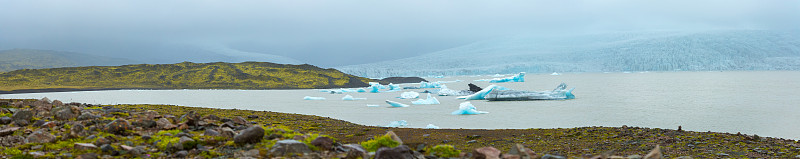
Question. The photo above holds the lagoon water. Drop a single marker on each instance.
(766, 103)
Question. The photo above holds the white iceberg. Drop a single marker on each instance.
(313, 98)
(396, 104)
(555, 74)
(467, 108)
(498, 75)
(482, 94)
(395, 87)
(431, 126)
(350, 98)
(401, 123)
(373, 105)
(449, 92)
(409, 95)
(439, 76)
(559, 93)
(429, 100)
(518, 78)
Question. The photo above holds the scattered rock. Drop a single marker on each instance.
(227, 132)
(180, 154)
(187, 143)
(399, 152)
(40, 136)
(249, 136)
(355, 151)
(5, 120)
(486, 153)
(549, 156)
(38, 123)
(108, 149)
(164, 124)
(211, 117)
(22, 118)
(191, 118)
(84, 146)
(521, 151)
(323, 143)
(211, 132)
(37, 154)
(394, 137)
(252, 116)
(239, 120)
(66, 112)
(87, 117)
(8, 131)
(147, 123)
(118, 126)
(634, 157)
(286, 147)
(87, 156)
(655, 153)
(49, 124)
(150, 115)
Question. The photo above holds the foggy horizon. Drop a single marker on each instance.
(338, 33)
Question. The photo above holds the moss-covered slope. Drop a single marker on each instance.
(186, 75)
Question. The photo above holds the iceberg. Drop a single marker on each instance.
(559, 93)
(498, 75)
(555, 74)
(377, 84)
(467, 108)
(429, 100)
(482, 94)
(373, 105)
(518, 78)
(361, 90)
(431, 126)
(424, 84)
(395, 87)
(439, 76)
(449, 92)
(409, 95)
(396, 104)
(313, 98)
(350, 98)
(401, 123)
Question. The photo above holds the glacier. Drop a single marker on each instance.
(516, 78)
(400, 123)
(559, 93)
(350, 98)
(429, 100)
(396, 104)
(313, 98)
(467, 108)
(628, 51)
(409, 95)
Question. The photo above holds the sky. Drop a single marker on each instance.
(332, 33)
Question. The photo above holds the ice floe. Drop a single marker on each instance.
(396, 104)
(401, 123)
(429, 100)
(409, 95)
(431, 126)
(424, 84)
(467, 108)
(313, 98)
(559, 93)
(349, 98)
(517, 78)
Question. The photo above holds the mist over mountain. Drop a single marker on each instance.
(603, 52)
(16, 59)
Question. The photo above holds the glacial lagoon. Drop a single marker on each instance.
(766, 103)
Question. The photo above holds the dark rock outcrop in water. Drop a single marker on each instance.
(474, 88)
(397, 80)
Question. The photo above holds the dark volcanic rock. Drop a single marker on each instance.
(252, 116)
(249, 136)
(211, 117)
(397, 80)
(118, 126)
(23, 117)
(286, 147)
(323, 143)
(210, 132)
(5, 120)
(145, 123)
(399, 152)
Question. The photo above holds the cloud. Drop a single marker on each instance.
(341, 32)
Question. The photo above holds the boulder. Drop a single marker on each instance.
(87, 156)
(180, 154)
(323, 143)
(239, 120)
(164, 124)
(211, 117)
(250, 135)
(655, 153)
(76, 131)
(549, 156)
(486, 153)
(394, 137)
(8, 131)
(85, 146)
(150, 115)
(355, 151)
(87, 116)
(187, 143)
(66, 112)
(522, 152)
(118, 126)
(22, 117)
(227, 132)
(146, 124)
(211, 132)
(252, 116)
(399, 152)
(287, 147)
(5, 120)
(191, 118)
(40, 136)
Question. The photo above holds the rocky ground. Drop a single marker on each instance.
(52, 129)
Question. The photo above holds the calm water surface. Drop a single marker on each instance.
(763, 103)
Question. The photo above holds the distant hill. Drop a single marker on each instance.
(606, 52)
(187, 75)
(34, 59)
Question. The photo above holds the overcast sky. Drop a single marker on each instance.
(343, 32)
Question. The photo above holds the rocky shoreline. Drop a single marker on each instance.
(52, 129)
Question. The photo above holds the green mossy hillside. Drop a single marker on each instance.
(186, 75)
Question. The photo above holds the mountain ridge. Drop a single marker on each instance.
(15, 59)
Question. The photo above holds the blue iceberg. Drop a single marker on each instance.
(559, 93)
(350, 98)
(361, 90)
(409, 95)
(518, 78)
(401, 123)
(396, 104)
(424, 84)
(395, 87)
(467, 108)
(431, 126)
(313, 98)
(429, 100)
(482, 94)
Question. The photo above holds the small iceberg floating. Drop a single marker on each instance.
(313, 98)
(429, 100)
(517, 78)
(396, 104)
(555, 74)
(401, 123)
(409, 95)
(467, 108)
(350, 98)
(431, 126)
